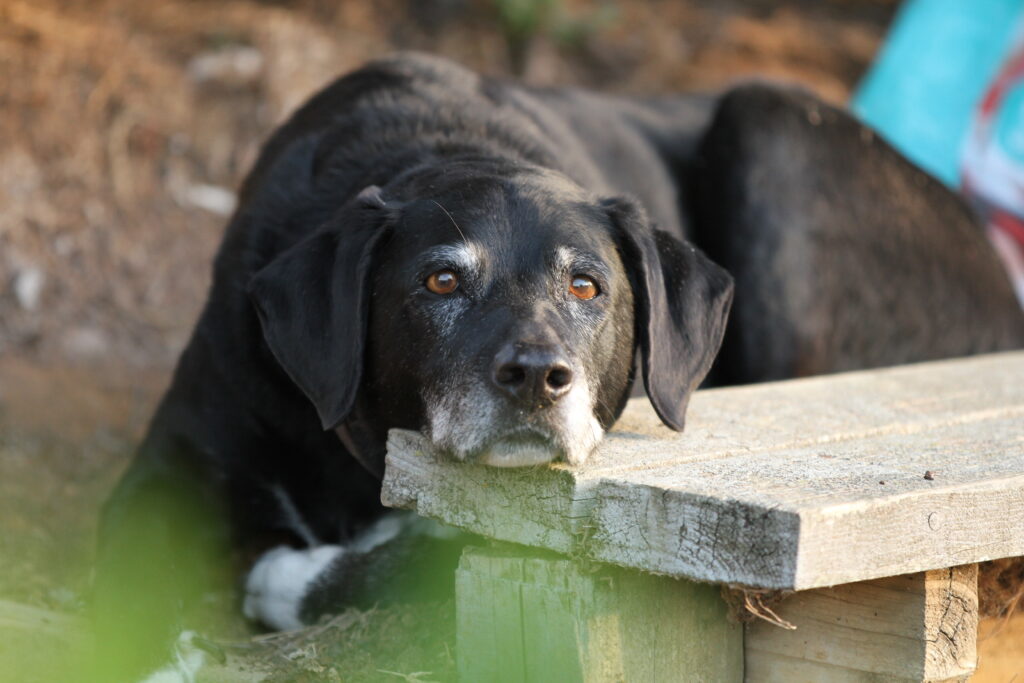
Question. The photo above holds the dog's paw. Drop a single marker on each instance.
(279, 581)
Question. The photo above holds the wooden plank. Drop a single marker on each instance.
(674, 629)
(820, 516)
(567, 623)
(533, 506)
(788, 485)
(920, 627)
(490, 631)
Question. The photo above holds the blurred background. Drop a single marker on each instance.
(126, 127)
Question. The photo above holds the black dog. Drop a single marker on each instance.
(424, 248)
(421, 248)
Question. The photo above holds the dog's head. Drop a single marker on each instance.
(497, 310)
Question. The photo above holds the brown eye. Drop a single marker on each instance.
(442, 282)
(582, 287)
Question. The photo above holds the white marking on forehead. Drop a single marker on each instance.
(467, 256)
(566, 256)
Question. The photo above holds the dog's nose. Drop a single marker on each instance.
(533, 375)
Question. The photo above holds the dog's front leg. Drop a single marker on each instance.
(163, 548)
(399, 557)
(282, 578)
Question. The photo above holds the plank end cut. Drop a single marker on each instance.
(916, 627)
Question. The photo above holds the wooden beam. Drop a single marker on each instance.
(788, 485)
(920, 627)
(544, 618)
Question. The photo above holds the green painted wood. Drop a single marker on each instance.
(594, 624)
(490, 629)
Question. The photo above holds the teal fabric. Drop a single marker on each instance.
(938, 60)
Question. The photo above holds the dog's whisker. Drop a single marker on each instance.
(452, 219)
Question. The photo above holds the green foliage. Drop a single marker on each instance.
(522, 21)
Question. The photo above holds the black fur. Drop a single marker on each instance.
(845, 254)
(317, 318)
(318, 335)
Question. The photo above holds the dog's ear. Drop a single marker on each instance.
(313, 305)
(682, 301)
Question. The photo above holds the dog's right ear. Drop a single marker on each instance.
(682, 303)
(313, 305)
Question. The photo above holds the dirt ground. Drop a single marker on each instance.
(125, 128)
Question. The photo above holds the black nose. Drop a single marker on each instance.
(531, 374)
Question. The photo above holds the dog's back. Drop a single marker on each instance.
(846, 256)
(237, 456)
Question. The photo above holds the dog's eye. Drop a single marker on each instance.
(442, 282)
(582, 287)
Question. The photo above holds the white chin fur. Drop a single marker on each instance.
(503, 454)
(462, 419)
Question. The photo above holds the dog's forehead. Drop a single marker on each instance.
(516, 222)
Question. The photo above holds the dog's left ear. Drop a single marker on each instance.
(682, 301)
(313, 305)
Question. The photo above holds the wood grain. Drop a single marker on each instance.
(919, 627)
(788, 485)
(532, 617)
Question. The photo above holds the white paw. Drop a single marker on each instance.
(280, 580)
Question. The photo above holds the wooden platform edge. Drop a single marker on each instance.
(915, 532)
(680, 533)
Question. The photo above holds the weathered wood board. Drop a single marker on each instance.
(526, 617)
(917, 627)
(788, 485)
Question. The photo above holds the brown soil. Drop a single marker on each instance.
(126, 126)
(116, 116)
